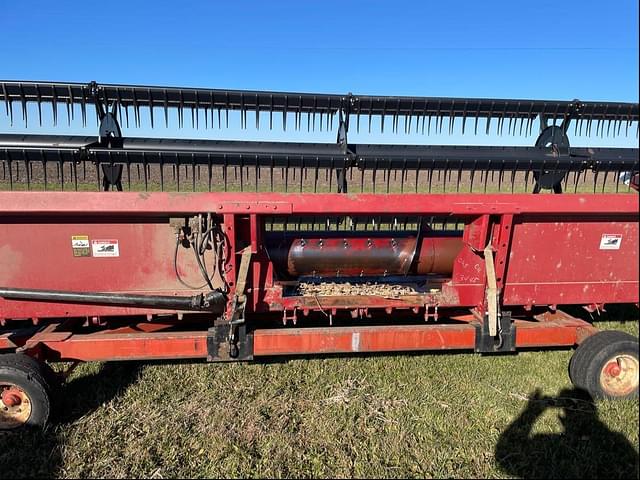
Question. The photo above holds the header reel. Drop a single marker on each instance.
(60, 162)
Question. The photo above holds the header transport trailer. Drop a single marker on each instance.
(238, 250)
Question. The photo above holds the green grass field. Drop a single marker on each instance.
(438, 415)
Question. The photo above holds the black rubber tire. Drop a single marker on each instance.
(592, 354)
(580, 359)
(34, 378)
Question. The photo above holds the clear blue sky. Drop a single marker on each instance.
(542, 49)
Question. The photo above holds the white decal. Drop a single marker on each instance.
(105, 248)
(610, 241)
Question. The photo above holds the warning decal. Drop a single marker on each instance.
(105, 248)
(80, 246)
(610, 241)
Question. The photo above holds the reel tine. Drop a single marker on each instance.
(403, 175)
(26, 165)
(74, 171)
(302, 170)
(97, 165)
(165, 105)
(7, 104)
(373, 174)
(136, 108)
(256, 173)
(464, 115)
(9, 170)
(193, 172)
(486, 177)
(240, 168)
(43, 157)
(271, 167)
(145, 168)
(286, 176)
(23, 104)
(177, 171)
(17, 163)
(225, 173)
(151, 105)
(39, 103)
(211, 111)
(128, 176)
(458, 175)
(472, 175)
(475, 126)
(446, 172)
(513, 179)
(315, 178)
(61, 171)
(488, 123)
(162, 174)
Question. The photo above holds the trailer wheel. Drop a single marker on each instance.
(606, 365)
(25, 393)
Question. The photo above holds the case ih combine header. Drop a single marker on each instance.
(280, 248)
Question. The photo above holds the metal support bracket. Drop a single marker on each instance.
(109, 136)
(343, 143)
(505, 341)
(218, 341)
(293, 317)
(554, 137)
(112, 175)
(492, 292)
(428, 314)
(574, 111)
(239, 302)
(109, 132)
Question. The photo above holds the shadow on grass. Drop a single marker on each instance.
(39, 453)
(586, 448)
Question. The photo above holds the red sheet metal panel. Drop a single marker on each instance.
(138, 346)
(557, 252)
(51, 255)
(573, 261)
(295, 341)
(386, 338)
(159, 203)
(552, 334)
